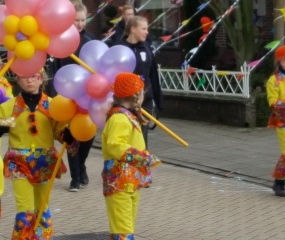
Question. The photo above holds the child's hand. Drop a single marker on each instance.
(154, 161)
(67, 136)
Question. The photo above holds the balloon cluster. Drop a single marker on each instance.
(85, 97)
(31, 29)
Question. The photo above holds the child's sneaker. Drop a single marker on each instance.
(74, 186)
(278, 188)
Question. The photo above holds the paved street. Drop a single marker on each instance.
(217, 188)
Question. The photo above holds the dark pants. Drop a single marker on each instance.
(147, 105)
(77, 162)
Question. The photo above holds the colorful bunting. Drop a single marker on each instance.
(215, 26)
(272, 45)
(282, 10)
(116, 20)
(190, 71)
(201, 82)
(222, 73)
(203, 5)
(254, 63)
(166, 38)
(185, 22)
(239, 76)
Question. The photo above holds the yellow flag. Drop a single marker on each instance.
(114, 21)
(282, 10)
(185, 22)
(221, 73)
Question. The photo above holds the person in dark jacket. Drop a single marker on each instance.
(76, 161)
(135, 36)
(127, 13)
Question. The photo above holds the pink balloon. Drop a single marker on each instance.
(83, 101)
(3, 14)
(98, 109)
(82, 110)
(28, 67)
(63, 45)
(97, 86)
(55, 16)
(22, 7)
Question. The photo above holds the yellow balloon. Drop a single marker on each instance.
(28, 25)
(62, 109)
(11, 24)
(40, 41)
(10, 42)
(25, 50)
(82, 128)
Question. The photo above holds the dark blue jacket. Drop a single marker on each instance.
(146, 66)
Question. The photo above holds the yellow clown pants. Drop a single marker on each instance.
(122, 213)
(28, 202)
(279, 170)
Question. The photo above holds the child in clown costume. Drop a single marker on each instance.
(31, 156)
(127, 162)
(275, 88)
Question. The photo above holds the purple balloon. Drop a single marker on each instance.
(2, 92)
(115, 60)
(70, 81)
(83, 101)
(98, 109)
(91, 53)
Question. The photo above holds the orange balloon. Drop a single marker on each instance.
(62, 109)
(82, 128)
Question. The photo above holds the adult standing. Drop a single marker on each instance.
(127, 13)
(135, 35)
(77, 160)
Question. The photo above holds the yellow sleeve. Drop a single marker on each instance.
(273, 94)
(7, 86)
(1, 176)
(117, 134)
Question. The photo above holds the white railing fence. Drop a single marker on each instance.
(208, 82)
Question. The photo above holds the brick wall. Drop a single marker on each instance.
(172, 58)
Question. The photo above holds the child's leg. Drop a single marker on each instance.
(122, 212)
(25, 217)
(45, 229)
(279, 171)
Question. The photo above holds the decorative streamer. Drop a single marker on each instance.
(185, 22)
(142, 6)
(162, 14)
(257, 62)
(100, 8)
(282, 10)
(214, 27)
(167, 40)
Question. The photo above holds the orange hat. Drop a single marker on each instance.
(280, 53)
(126, 84)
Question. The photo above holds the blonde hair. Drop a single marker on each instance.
(80, 7)
(76, 1)
(135, 109)
(127, 7)
(133, 22)
(43, 75)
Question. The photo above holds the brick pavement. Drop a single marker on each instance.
(182, 203)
